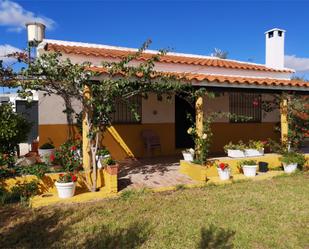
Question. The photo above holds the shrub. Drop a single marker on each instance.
(239, 146)
(293, 157)
(67, 177)
(6, 172)
(20, 192)
(14, 129)
(38, 169)
(67, 156)
(109, 161)
(247, 162)
(103, 152)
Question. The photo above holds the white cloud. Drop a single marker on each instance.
(5, 50)
(297, 63)
(15, 16)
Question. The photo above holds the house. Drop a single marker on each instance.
(29, 112)
(240, 84)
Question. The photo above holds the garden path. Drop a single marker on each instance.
(153, 172)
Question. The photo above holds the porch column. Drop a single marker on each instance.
(284, 121)
(199, 116)
(85, 130)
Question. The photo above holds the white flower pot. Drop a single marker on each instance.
(235, 153)
(99, 158)
(254, 152)
(289, 168)
(224, 174)
(45, 155)
(65, 190)
(188, 156)
(249, 170)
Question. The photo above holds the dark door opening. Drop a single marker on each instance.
(182, 123)
(31, 112)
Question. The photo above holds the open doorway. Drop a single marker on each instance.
(182, 123)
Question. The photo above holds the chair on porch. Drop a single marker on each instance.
(151, 141)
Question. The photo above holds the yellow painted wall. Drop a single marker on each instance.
(131, 134)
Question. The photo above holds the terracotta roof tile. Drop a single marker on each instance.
(169, 58)
(230, 79)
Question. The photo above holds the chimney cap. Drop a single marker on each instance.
(35, 32)
(36, 23)
(274, 29)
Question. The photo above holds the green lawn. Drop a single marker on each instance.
(266, 214)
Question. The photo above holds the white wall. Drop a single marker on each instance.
(51, 109)
(155, 111)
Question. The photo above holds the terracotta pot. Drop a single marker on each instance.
(112, 169)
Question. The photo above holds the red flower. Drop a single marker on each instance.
(255, 103)
(264, 142)
(61, 175)
(222, 166)
(73, 148)
(74, 178)
(52, 157)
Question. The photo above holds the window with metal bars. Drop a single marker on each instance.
(245, 104)
(123, 111)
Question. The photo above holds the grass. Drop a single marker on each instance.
(266, 214)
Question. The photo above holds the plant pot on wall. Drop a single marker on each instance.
(224, 174)
(45, 155)
(188, 155)
(236, 153)
(112, 169)
(263, 166)
(249, 170)
(289, 168)
(66, 185)
(65, 190)
(254, 152)
(45, 151)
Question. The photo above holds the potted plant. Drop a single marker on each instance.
(223, 171)
(66, 185)
(188, 155)
(111, 166)
(67, 156)
(249, 167)
(255, 148)
(102, 154)
(45, 151)
(290, 160)
(235, 150)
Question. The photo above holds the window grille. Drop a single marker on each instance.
(245, 104)
(123, 111)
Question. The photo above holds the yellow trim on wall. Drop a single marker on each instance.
(130, 134)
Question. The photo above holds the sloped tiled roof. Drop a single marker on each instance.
(230, 79)
(112, 52)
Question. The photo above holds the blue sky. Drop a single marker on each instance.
(184, 26)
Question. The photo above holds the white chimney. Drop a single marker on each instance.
(36, 33)
(275, 48)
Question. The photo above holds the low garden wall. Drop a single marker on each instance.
(106, 181)
(200, 173)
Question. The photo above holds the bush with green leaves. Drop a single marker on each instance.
(20, 192)
(293, 157)
(67, 156)
(237, 146)
(247, 163)
(38, 169)
(109, 161)
(14, 129)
